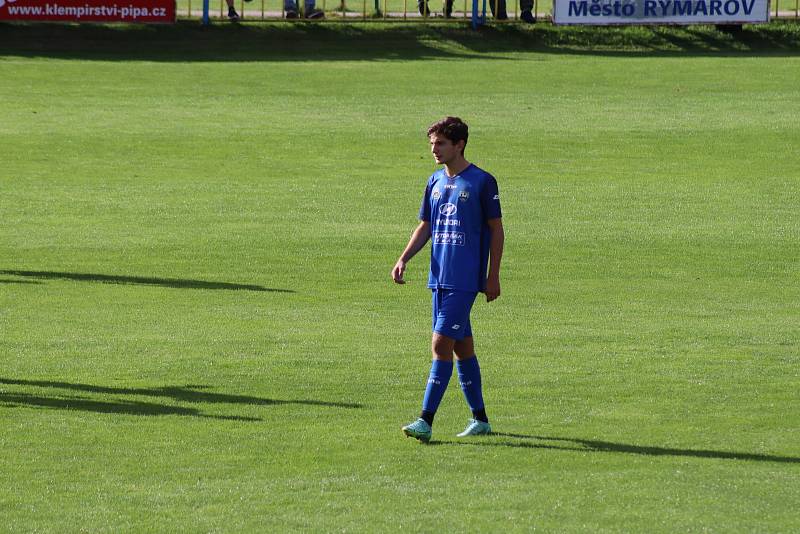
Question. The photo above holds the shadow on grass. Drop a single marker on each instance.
(17, 400)
(6, 281)
(189, 41)
(188, 393)
(585, 445)
(140, 280)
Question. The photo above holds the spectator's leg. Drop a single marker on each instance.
(422, 5)
(500, 7)
(526, 11)
(290, 8)
(311, 11)
(232, 14)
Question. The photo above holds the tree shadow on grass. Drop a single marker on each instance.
(140, 280)
(188, 393)
(585, 445)
(189, 41)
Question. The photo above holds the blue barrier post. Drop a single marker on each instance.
(478, 20)
(205, 13)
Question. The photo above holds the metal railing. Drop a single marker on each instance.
(349, 10)
(396, 10)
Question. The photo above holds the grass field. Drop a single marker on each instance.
(198, 331)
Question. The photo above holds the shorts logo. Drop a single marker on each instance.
(463, 196)
(496, 197)
(456, 326)
(436, 193)
(448, 209)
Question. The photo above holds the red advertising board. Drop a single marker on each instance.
(131, 11)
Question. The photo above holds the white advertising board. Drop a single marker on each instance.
(640, 12)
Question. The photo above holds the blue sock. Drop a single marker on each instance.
(469, 375)
(441, 372)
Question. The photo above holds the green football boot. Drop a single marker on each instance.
(476, 428)
(419, 429)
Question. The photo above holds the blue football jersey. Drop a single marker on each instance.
(457, 209)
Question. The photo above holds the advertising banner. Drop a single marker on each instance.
(605, 12)
(131, 11)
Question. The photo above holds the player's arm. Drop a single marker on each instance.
(418, 239)
(496, 240)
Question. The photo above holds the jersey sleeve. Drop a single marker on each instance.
(490, 199)
(425, 208)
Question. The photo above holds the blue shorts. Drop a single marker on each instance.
(451, 313)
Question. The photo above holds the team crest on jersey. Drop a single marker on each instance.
(437, 194)
(463, 196)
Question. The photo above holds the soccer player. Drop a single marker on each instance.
(460, 213)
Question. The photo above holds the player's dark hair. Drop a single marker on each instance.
(451, 128)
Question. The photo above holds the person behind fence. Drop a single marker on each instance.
(422, 5)
(233, 16)
(311, 12)
(498, 8)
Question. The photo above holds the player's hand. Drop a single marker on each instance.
(492, 289)
(398, 271)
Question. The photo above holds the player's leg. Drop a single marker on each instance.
(464, 348)
(469, 376)
(449, 318)
(442, 347)
(438, 379)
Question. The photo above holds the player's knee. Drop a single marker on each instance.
(442, 347)
(464, 349)
(463, 355)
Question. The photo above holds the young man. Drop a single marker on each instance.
(461, 212)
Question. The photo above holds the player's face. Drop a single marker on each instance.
(443, 149)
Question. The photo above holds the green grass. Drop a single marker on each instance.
(641, 367)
